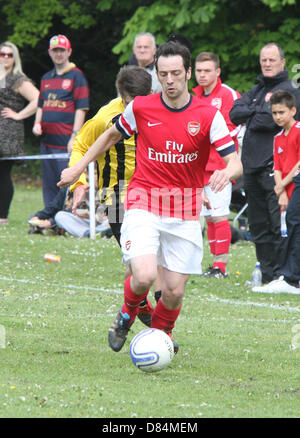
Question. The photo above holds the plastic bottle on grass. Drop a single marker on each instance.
(256, 276)
(283, 226)
(51, 258)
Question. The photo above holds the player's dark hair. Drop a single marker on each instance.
(133, 81)
(208, 56)
(182, 39)
(173, 48)
(284, 98)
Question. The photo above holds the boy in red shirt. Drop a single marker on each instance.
(287, 188)
(286, 145)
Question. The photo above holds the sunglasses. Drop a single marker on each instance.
(3, 55)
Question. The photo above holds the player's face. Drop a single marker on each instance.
(59, 56)
(282, 115)
(270, 61)
(207, 74)
(144, 50)
(172, 76)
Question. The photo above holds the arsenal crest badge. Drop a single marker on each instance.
(193, 128)
(66, 83)
(217, 102)
(268, 97)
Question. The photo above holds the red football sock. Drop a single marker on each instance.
(223, 237)
(131, 300)
(220, 265)
(222, 243)
(164, 318)
(211, 236)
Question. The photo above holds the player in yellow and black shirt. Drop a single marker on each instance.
(117, 165)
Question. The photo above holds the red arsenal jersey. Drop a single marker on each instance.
(222, 97)
(60, 97)
(173, 147)
(287, 153)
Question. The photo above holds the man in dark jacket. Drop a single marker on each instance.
(289, 281)
(253, 110)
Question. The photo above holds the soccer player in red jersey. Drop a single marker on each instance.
(175, 133)
(211, 90)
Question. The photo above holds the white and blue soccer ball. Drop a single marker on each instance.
(151, 350)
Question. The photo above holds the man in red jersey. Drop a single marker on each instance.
(211, 90)
(175, 133)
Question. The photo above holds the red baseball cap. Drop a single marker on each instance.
(59, 41)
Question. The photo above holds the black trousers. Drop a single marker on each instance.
(290, 262)
(264, 221)
(7, 188)
(115, 215)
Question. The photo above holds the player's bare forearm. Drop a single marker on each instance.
(233, 170)
(102, 144)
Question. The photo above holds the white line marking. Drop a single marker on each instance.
(65, 286)
(212, 299)
(251, 303)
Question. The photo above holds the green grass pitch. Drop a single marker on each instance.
(239, 351)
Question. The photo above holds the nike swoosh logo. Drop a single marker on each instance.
(220, 241)
(154, 124)
(271, 174)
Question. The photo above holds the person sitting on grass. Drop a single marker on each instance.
(59, 218)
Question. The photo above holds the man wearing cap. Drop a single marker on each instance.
(63, 104)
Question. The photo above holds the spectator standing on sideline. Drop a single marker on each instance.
(144, 49)
(62, 107)
(116, 166)
(212, 91)
(289, 280)
(161, 222)
(253, 109)
(18, 101)
(286, 145)
(286, 168)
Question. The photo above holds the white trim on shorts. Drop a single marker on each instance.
(219, 201)
(177, 243)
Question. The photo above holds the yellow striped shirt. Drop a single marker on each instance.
(117, 165)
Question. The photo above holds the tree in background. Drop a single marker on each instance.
(235, 29)
(102, 33)
(92, 28)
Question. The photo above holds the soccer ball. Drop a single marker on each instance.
(151, 350)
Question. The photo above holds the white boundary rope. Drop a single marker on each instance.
(37, 157)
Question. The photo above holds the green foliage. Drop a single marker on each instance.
(103, 31)
(277, 5)
(221, 26)
(30, 20)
